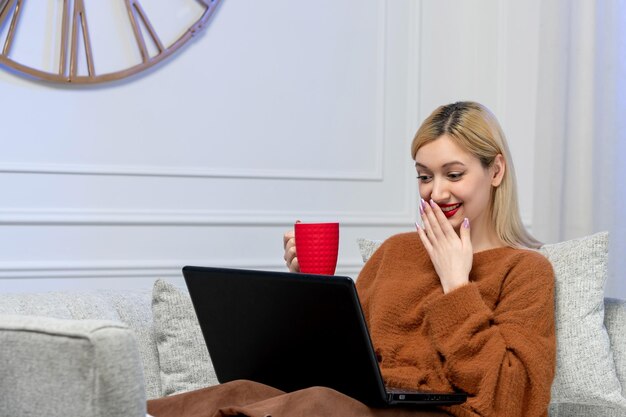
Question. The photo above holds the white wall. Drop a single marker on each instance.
(277, 112)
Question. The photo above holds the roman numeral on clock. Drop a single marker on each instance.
(136, 12)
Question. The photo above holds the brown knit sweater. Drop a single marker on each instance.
(493, 338)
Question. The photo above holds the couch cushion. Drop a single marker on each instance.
(130, 307)
(586, 371)
(56, 367)
(615, 322)
(183, 355)
(584, 410)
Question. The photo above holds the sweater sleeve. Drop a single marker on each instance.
(503, 358)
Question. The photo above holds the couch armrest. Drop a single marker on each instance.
(615, 322)
(57, 367)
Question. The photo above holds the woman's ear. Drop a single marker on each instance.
(497, 170)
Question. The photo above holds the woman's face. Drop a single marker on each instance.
(457, 182)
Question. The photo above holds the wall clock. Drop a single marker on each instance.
(75, 47)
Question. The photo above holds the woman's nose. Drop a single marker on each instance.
(439, 191)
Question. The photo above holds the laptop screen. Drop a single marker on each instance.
(289, 331)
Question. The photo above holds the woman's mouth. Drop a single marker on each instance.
(450, 210)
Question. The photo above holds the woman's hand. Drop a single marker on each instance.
(289, 244)
(451, 254)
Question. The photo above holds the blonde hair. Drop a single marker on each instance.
(475, 129)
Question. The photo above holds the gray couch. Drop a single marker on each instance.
(103, 353)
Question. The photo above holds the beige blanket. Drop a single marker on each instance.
(247, 398)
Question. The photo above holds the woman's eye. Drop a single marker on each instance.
(455, 175)
(424, 178)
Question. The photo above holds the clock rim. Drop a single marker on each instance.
(37, 74)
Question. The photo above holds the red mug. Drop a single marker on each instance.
(317, 247)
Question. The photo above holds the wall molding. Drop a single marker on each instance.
(413, 108)
(501, 57)
(53, 217)
(375, 175)
(138, 269)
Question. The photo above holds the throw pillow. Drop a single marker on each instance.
(585, 371)
(367, 247)
(183, 356)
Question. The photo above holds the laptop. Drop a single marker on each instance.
(293, 331)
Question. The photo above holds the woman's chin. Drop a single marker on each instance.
(457, 226)
(456, 221)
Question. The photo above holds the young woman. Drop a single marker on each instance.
(464, 303)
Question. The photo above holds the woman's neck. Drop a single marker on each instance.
(484, 237)
(484, 245)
